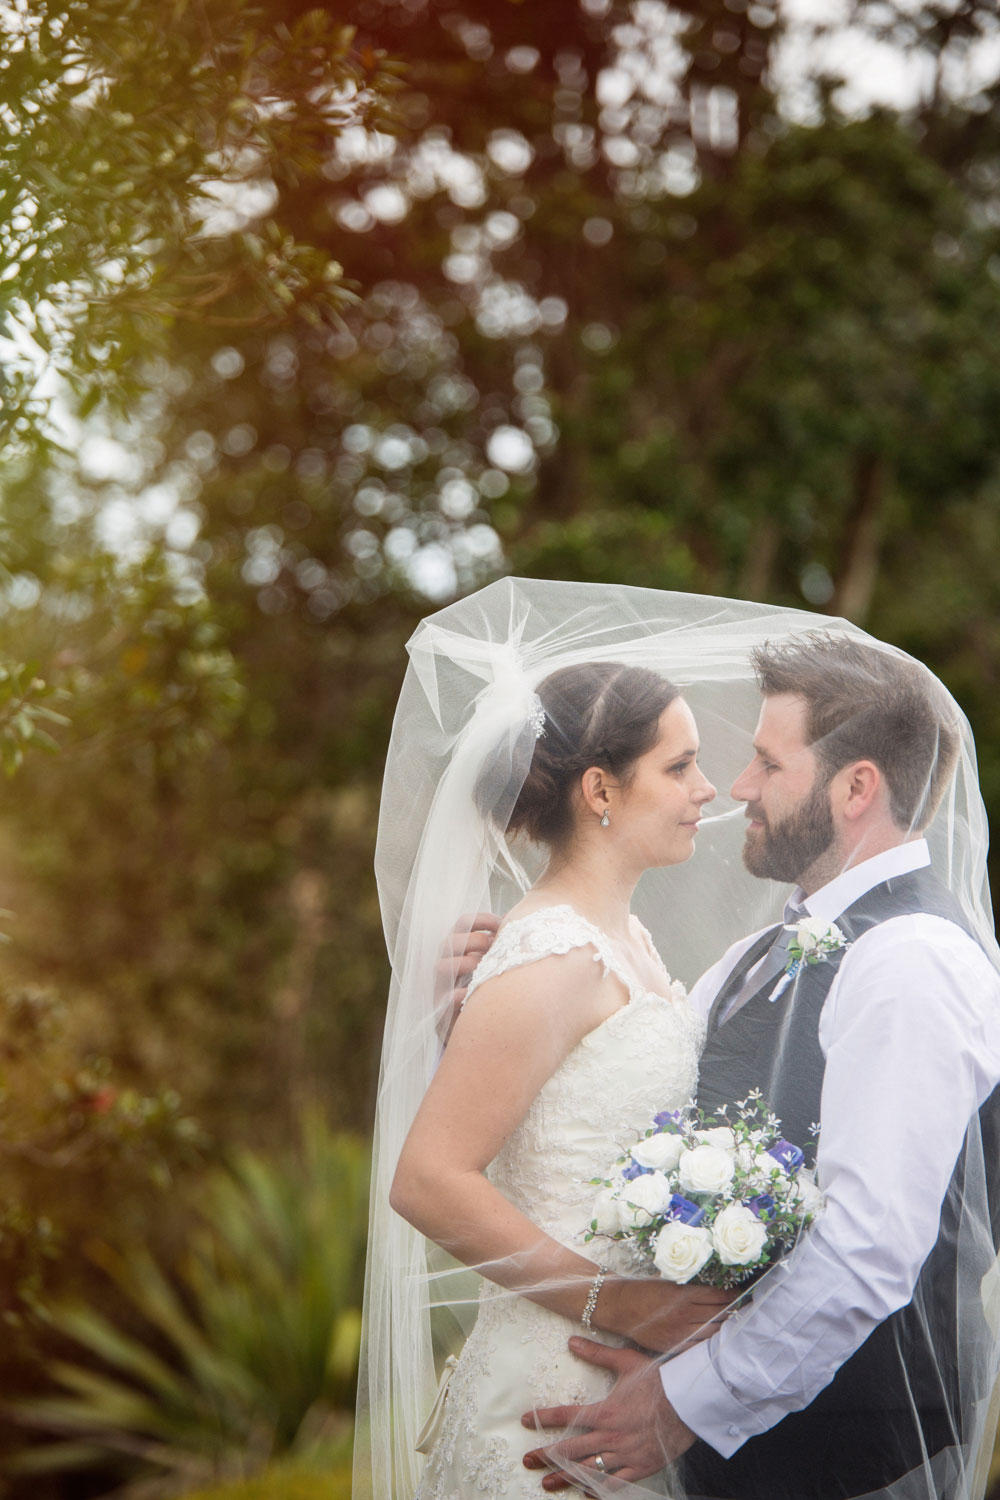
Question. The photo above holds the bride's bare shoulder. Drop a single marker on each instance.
(559, 992)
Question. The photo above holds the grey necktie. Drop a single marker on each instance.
(773, 963)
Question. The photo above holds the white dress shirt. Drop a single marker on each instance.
(913, 1015)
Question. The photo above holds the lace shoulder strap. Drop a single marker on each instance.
(540, 934)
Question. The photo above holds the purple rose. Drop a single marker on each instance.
(762, 1205)
(684, 1211)
(787, 1155)
(633, 1170)
(668, 1119)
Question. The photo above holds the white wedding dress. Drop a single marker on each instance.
(642, 1059)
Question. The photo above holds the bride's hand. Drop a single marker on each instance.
(659, 1315)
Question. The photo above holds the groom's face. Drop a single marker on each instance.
(790, 825)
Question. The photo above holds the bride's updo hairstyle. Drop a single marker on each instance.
(601, 714)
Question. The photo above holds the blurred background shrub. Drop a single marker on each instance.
(246, 1349)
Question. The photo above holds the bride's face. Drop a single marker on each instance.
(656, 814)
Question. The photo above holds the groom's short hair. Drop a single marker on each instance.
(864, 702)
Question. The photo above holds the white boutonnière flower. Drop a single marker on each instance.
(812, 942)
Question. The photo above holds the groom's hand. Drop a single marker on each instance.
(634, 1429)
(461, 951)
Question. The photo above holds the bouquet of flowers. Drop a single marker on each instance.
(709, 1197)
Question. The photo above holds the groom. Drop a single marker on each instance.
(849, 1372)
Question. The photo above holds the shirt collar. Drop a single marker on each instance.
(832, 899)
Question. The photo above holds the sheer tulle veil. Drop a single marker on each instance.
(468, 701)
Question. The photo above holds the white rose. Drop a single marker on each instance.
(643, 1198)
(681, 1250)
(662, 1151)
(705, 1169)
(810, 1199)
(607, 1212)
(738, 1235)
(813, 932)
(719, 1135)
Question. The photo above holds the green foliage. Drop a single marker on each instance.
(25, 706)
(216, 809)
(259, 1331)
(129, 129)
(283, 1483)
(634, 544)
(65, 1121)
(70, 1132)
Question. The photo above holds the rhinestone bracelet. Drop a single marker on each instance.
(592, 1295)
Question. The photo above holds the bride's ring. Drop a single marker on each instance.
(599, 1463)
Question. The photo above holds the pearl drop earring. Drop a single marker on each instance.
(606, 819)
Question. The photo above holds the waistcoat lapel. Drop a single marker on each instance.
(734, 983)
(774, 1046)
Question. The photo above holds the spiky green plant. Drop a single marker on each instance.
(253, 1338)
(283, 1483)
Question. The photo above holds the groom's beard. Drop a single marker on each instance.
(785, 851)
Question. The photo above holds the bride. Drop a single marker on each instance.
(572, 1036)
(539, 763)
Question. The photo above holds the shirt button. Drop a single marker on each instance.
(733, 1431)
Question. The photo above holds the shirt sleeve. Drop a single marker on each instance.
(914, 1014)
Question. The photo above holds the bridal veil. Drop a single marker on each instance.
(469, 703)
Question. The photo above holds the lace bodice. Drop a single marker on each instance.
(643, 1058)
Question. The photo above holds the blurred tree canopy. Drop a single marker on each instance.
(318, 317)
(128, 131)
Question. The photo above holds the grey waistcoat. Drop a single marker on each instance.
(775, 1046)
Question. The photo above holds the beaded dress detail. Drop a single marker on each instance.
(642, 1059)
